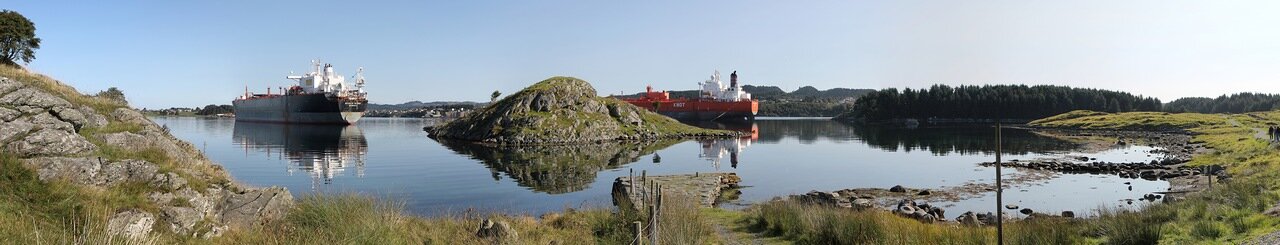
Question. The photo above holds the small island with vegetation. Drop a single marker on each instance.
(564, 110)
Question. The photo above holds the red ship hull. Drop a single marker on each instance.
(696, 109)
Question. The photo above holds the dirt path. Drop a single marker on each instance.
(1257, 132)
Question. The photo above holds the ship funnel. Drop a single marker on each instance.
(733, 79)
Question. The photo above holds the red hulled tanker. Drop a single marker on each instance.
(715, 102)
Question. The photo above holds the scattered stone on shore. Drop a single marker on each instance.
(1068, 214)
(897, 188)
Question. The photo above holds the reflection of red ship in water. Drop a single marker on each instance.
(715, 150)
(715, 102)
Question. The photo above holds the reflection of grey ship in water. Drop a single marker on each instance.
(323, 151)
(716, 150)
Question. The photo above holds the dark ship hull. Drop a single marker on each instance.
(316, 108)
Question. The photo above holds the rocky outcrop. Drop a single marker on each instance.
(132, 224)
(563, 110)
(78, 144)
(497, 232)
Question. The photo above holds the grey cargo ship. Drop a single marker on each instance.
(320, 97)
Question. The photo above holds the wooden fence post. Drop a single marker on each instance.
(639, 233)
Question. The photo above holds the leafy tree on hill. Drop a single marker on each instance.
(113, 93)
(18, 40)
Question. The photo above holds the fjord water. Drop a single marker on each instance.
(393, 158)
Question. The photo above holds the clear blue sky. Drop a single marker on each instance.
(189, 53)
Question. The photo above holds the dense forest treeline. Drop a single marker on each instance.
(1235, 103)
(991, 102)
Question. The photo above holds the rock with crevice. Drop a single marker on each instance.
(133, 224)
(33, 97)
(253, 207)
(181, 220)
(50, 142)
(12, 131)
(92, 171)
(168, 181)
(8, 115)
(128, 171)
(46, 120)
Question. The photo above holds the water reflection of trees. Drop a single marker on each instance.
(962, 140)
(556, 169)
(973, 139)
(323, 151)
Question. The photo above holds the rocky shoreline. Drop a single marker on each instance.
(1177, 147)
(96, 145)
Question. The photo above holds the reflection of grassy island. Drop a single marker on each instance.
(563, 110)
(558, 168)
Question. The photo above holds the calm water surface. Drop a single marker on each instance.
(393, 158)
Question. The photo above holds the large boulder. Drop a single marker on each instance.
(257, 206)
(497, 232)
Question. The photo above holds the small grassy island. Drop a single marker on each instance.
(564, 110)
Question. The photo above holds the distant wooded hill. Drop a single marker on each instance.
(1235, 103)
(991, 102)
(804, 102)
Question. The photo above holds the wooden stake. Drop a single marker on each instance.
(999, 192)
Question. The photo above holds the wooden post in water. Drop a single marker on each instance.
(999, 192)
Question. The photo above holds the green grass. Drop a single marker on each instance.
(355, 219)
(1228, 213)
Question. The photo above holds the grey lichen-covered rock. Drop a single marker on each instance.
(91, 118)
(11, 131)
(133, 224)
(34, 97)
(50, 142)
(127, 115)
(253, 207)
(181, 220)
(497, 232)
(46, 120)
(168, 181)
(7, 115)
(92, 171)
(128, 170)
(563, 110)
